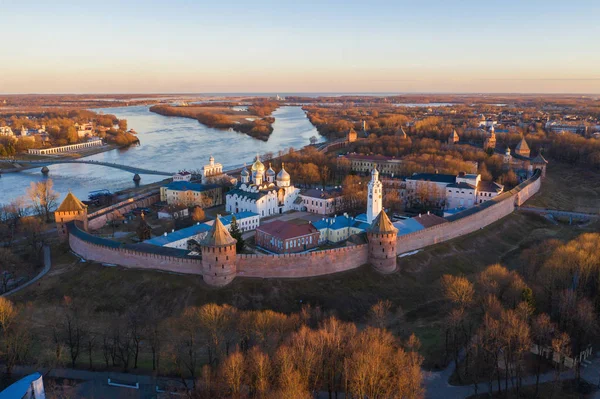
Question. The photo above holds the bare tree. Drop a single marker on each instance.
(10, 219)
(43, 198)
(380, 314)
(232, 370)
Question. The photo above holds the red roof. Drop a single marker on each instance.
(286, 230)
(429, 220)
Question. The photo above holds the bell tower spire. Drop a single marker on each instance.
(375, 199)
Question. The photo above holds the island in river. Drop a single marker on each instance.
(255, 120)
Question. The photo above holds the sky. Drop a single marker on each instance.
(231, 46)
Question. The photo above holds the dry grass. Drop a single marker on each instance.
(569, 188)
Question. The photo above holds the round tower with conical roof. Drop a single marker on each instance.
(218, 256)
(382, 244)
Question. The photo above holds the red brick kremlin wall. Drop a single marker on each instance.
(476, 219)
(302, 265)
(313, 263)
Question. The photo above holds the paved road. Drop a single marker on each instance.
(46, 269)
(437, 387)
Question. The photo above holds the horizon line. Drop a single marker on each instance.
(333, 93)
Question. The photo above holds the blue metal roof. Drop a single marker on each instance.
(179, 235)
(19, 388)
(189, 186)
(196, 229)
(407, 226)
(340, 222)
(238, 216)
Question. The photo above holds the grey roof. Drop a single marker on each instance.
(436, 177)
(490, 186)
(461, 185)
(325, 194)
(247, 194)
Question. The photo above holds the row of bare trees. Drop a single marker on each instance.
(497, 320)
(221, 351)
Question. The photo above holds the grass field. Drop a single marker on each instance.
(569, 188)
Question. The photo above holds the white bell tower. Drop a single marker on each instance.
(375, 199)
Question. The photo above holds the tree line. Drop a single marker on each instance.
(219, 351)
(498, 316)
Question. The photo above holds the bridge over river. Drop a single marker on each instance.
(29, 164)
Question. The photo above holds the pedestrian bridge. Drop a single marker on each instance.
(126, 168)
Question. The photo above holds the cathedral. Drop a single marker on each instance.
(262, 191)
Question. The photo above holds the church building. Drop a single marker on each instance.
(262, 191)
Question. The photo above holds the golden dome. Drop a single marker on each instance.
(258, 166)
(283, 175)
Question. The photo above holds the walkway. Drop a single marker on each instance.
(558, 212)
(46, 269)
(437, 386)
(126, 168)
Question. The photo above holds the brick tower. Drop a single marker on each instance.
(218, 256)
(69, 210)
(382, 244)
(522, 148)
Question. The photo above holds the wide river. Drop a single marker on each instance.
(167, 144)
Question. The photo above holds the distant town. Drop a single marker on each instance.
(439, 203)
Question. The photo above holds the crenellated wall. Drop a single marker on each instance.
(315, 263)
(309, 264)
(92, 248)
(472, 219)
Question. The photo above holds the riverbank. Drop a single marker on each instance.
(222, 118)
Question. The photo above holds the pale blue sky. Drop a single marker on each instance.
(299, 46)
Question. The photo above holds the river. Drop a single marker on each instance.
(167, 144)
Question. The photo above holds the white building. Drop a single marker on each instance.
(262, 192)
(182, 176)
(212, 169)
(469, 191)
(323, 202)
(451, 191)
(375, 198)
(487, 122)
(6, 131)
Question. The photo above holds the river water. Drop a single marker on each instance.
(167, 144)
